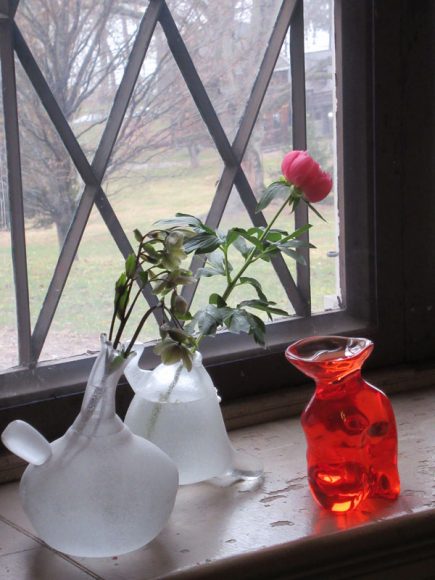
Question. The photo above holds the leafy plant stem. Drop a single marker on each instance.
(251, 256)
(173, 318)
(139, 328)
(130, 310)
(227, 269)
(112, 323)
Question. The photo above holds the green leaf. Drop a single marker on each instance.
(312, 208)
(295, 244)
(275, 189)
(185, 317)
(177, 334)
(265, 306)
(217, 300)
(209, 319)
(241, 245)
(121, 282)
(171, 354)
(258, 329)
(255, 231)
(151, 251)
(238, 322)
(298, 232)
(181, 219)
(231, 237)
(138, 235)
(122, 303)
(116, 362)
(252, 239)
(216, 259)
(178, 304)
(207, 272)
(270, 250)
(202, 243)
(187, 357)
(207, 323)
(130, 265)
(297, 257)
(274, 236)
(256, 284)
(143, 277)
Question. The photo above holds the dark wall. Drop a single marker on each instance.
(404, 161)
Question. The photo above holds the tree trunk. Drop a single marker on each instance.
(194, 155)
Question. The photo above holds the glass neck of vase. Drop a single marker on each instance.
(98, 413)
(336, 385)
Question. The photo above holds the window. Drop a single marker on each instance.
(215, 145)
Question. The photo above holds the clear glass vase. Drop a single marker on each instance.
(349, 425)
(179, 411)
(99, 490)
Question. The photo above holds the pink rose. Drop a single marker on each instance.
(302, 171)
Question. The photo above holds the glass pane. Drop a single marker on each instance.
(272, 138)
(8, 321)
(51, 190)
(86, 306)
(227, 41)
(82, 49)
(320, 102)
(165, 160)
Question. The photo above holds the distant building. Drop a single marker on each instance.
(277, 108)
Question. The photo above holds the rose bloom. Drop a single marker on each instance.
(301, 170)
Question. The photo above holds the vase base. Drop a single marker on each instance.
(244, 467)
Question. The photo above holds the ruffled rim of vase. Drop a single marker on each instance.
(310, 349)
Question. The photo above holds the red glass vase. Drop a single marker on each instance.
(349, 425)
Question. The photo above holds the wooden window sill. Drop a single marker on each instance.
(273, 530)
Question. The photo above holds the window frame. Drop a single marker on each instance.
(363, 56)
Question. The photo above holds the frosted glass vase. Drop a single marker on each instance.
(179, 411)
(99, 490)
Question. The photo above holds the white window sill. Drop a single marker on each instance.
(273, 531)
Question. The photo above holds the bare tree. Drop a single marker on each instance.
(82, 47)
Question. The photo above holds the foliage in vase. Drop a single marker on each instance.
(161, 252)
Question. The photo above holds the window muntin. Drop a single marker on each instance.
(281, 74)
(8, 329)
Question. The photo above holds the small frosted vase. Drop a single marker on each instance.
(99, 490)
(179, 411)
(349, 425)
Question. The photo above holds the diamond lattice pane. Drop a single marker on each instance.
(51, 190)
(164, 160)
(86, 306)
(226, 41)
(82, 49)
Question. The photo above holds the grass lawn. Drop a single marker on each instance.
(86, 304)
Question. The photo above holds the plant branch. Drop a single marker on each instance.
(139, 328)
(251, 256)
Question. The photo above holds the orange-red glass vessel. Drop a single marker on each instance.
(349, 425)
